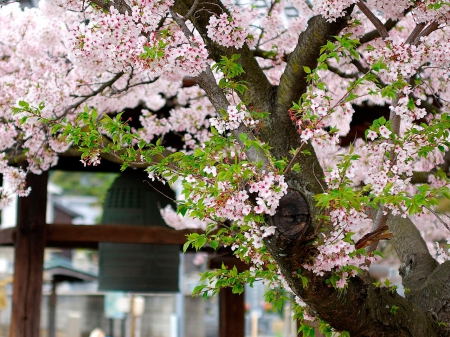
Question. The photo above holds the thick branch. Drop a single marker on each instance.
(207, 82)
(428, 30)
(259, 88)
(428, 282)
(293, 81)
(413, 38)
(434, 294)
(416, 262)
(292, 85)
(361, 309)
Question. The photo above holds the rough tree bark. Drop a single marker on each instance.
(362, 309)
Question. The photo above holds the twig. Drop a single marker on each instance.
(341, 74)
(437, 216)
(149, 183)
(95, 92)
(317, 179)
(293, 159)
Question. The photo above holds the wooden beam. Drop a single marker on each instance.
(79, 235)
(88, 236)
(29, 247)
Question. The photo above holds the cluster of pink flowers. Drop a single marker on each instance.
(178, 221)
(68, 55)
(441, 253)
(335, 252)
(149, 12)
(269, 189)
(229, 31)
(14, 178)
(116, 41)
(236, 116)
(332, 9)
(401, 59)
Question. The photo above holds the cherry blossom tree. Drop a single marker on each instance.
(261, 95)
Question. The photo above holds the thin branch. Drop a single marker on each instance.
(431, 28)
(100, 89)
(119, 91)
(191, 11)
(437, 216)
(182, 24)
(375, 21)
(342, 74)
(294, 157)
(120, 5)
(413, 38)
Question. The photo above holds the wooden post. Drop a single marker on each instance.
(29, 259)
(52, 310)
(231, 314)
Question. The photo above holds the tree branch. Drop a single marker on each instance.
(375, 21)
(413, 38)
(428, 30)
(416, 262)
(99, 90)
(342, 74)
(207, 82)
(437, 284)
(361, 309)
(293, 81)
(375, 33)
(120, 5)
(259, 87)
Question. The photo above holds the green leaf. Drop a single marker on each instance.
(56, 128)
(24, 104)
(186, 246)
(243, 137)
(307, 330)
(306, 69)
(198, 289)
(237, 289)
(296, 168)
(214, 244)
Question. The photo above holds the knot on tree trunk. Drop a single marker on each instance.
(293, 214)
